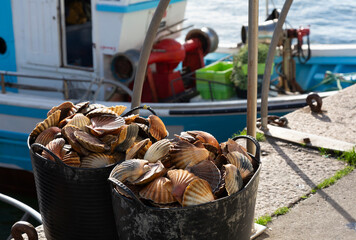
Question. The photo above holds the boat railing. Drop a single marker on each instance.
(28, 211)
(97, 81)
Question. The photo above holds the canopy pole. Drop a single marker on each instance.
(146, 51)
(270, 57)
(252, 72)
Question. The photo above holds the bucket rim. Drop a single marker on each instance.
(250, 182)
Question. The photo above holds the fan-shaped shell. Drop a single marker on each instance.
(72, 159)
(208, 171)
(91, 107)
(139, 149)
(233, 179)
(233, 146)
(156, 192)
(101, 112)
(158, 151)
(187, 137)
(156, 170)
(50, 121)
(207, 139)
(131, 118)
(82, 105)
(185, 154)
(127, 137)
(130, 170)
(197, 192)
(118, 109)
(68, 133)
(47, 135)
(67, 109)
(90, 142)
(157, 128)
(56, 147)
(179, 181)
(241, 162)
(97, 160)
(80, 121)
(103, 125)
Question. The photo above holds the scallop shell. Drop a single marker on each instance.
(158, 151)
(81, 106)
(131, 118)
(100, 112)
(72, 159)
(111, 141)
(67, 109)
(118, 109)
(156, 192)
(103, 125)
(197, 192)
(233, 146)
(220, 160)
(185, 154)
(241, 162)
(143, 130)
(187, 137)
(139, 149)
(79, 120)
(179, 181)
(207, 139)
(47, 135)
(130, 170)
(208, 171)
(90, 142)
(91, 107)
(97, 160)
(233, 179)
(156, 170)
(51, 121)
(56, 147)
(157, 128)
(68, 133)
(127, 137)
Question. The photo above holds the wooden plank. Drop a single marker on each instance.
(307, 139)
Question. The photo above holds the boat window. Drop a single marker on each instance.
(78, 33)
(2, 46)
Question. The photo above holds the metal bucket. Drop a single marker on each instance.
(226, 218)
(75, 203)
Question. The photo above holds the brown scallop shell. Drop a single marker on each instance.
(67, 109)
(47, 135)
(241, 162)
(97, 160)
(156, 192)
(207, 139)
(156, 170)
(118, 109)
(90, 142)
(68, 133)
(81, 106)
(233, 179)
(103, 125)
(186, 137)
(91, 107)
(127, 137)
(80, 121)
(208, 171)
(51, 121)
(185, 154)
(72, 159)
(139, 149)
(157, 128)
(100, 112)
(197, 192)
(131, 118)
(56, 147)
(158, 151)
(233, 146)
(179, 181)
(130, 170)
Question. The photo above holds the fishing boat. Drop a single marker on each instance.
(87, 50)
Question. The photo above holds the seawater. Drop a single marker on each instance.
(330, 21)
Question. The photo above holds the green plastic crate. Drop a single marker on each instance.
(217, 72)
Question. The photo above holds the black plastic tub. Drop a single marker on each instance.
(226, 218)
(75, 203)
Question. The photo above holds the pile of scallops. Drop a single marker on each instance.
(189, 169)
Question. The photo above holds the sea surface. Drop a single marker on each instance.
(330, 21)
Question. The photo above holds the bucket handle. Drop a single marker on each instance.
(55, 157)
(125, 189)
(257, 144)
(140, 107)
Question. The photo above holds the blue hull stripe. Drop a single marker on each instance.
(23, 111)
(104, 7)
